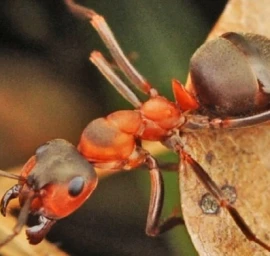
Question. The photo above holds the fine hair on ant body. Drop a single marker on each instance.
(61, 174)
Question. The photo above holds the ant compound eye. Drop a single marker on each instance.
(76, 186)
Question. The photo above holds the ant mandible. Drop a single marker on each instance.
(59, 178)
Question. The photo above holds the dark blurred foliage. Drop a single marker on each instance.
(50, 89)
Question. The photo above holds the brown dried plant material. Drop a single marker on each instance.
(239, 158)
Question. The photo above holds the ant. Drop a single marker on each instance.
(60, 177)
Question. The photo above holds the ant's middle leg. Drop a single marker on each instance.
(154, 226)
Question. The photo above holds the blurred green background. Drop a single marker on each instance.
(49, 89)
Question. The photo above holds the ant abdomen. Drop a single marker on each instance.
(230, 75)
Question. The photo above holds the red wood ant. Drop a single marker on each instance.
(59, 178)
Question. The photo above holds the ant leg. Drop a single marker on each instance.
(105, 33)
(241, 122)
(153, 225)
(217, 193)
(106, 69)
(169, 167)
(194, 122)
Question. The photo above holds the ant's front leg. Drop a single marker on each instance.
(153, 226)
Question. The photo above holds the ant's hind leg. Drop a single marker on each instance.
(219, 195)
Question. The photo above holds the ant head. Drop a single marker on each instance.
(61, 178)
(53, 184)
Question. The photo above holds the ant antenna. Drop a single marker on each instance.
(11, 176)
